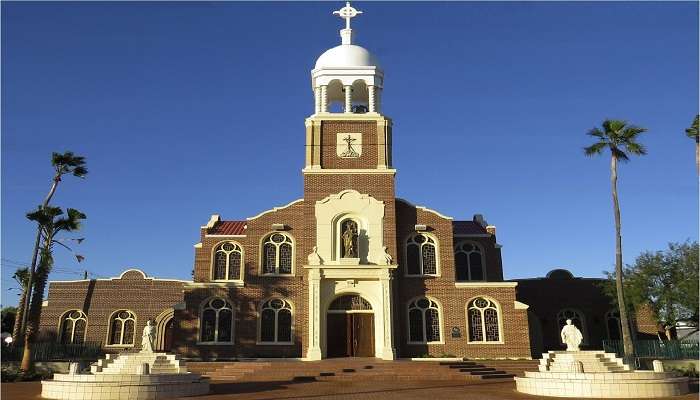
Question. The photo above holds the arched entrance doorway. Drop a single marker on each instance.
(164, 330)
(350, 328)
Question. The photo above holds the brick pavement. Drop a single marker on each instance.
(419, 390)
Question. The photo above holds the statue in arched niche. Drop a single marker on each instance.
(349, 239)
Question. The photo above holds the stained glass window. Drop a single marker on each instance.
(469, 262)
(482, 316)
(277, 254)
(122, 328)
(423, 321)
(421, 255)
(612, 322)
(73, 327)
(276, 321)
(216, 321)
(228, 258)
(350, 303)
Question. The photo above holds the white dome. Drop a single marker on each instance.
(347, 55)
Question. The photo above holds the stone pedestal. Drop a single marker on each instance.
(597, 374)
(138, 376)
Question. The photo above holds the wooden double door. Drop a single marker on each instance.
(350, 335)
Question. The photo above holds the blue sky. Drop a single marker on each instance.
(189, 109)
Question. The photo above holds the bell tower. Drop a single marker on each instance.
(347, 130)
(349, 203)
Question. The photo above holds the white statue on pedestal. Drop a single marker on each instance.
(571, 336)
(148, 337)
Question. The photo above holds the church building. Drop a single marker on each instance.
(348, 270)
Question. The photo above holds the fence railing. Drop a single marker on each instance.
(52, 351)
(667, 349)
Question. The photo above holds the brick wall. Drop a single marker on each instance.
(99, 298)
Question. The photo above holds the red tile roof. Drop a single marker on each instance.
(228, 228)
(467, 228)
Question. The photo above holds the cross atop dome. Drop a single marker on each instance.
(347, 13)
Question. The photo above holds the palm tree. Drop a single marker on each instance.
(66, 163)
(21, 276)
(51, 224)
(620, 138)
(692, 133)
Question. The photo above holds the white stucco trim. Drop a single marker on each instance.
(480, 284)
(388, 171)
(226, 236)
(147, 278)
(520, 306)
(236, 283)
(275, 209)
(422, 208)
(367, 211)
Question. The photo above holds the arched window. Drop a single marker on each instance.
(469, 262)
(228, 258)
(73, 325)
(351, 302)
(483, 320)
(122, 328)
(576, 318)
(421, 255)
(276, 321)
(277, 254)
(216, 321)
(613, 325)
(423, 321)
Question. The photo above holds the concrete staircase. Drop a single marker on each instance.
(357, 368)
(592, 361)
(128, 363)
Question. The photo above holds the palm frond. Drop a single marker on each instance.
(596, 132)
(594, 149)
(631, 132)
(613, 126)
(692, 131)
(619, 154)
(635, 148)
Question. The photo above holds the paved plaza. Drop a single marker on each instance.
(341, 390)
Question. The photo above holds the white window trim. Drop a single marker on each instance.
(202, 307)
(499, 309)
(121, 336)
(469, 270)
(213, 262)
(259, 340)
(425, 333)
(61, 321)
(263, 241)
(436, 243)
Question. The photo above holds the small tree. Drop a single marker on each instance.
(21, 276)
(692, 133)
(620, 138)
(7, 318)
(52, 223)
(63, 164)
(667, 281)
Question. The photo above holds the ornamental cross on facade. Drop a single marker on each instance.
(347, 13)
(349, 152)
